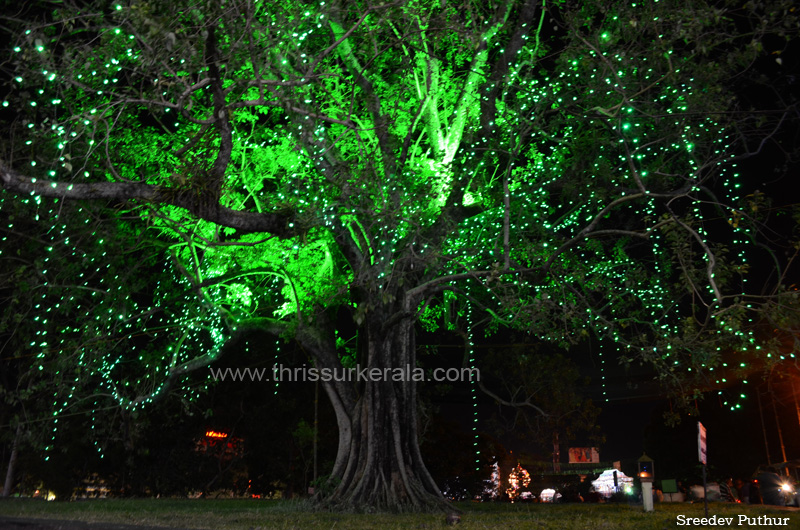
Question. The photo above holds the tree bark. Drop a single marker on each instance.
(379, 465)
(12, 462)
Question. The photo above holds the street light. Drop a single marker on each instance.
(646, 474)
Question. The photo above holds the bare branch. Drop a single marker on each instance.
(516, 404)
(277, 224)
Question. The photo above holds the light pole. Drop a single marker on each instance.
(646, 474)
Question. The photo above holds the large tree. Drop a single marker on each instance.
(335, 172)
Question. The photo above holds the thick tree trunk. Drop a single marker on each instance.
(379, 465)
(12, 462)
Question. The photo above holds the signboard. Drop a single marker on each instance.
(584, 455)
(701, 443)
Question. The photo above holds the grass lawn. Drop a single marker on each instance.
(254, 514)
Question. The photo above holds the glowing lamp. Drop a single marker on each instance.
(646, 468)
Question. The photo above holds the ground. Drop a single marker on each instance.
(183, 514)
(18, 523)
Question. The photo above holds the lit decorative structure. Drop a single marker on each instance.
(549, 495)
(518, 478)
(220, 444)
(492, 487)
(646, 474)
(612, 481)
(216, 434)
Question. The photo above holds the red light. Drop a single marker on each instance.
(216, 434)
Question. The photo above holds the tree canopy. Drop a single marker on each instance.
(344, 169)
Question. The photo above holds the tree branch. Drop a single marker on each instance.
(273, 223)
(516, 404)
